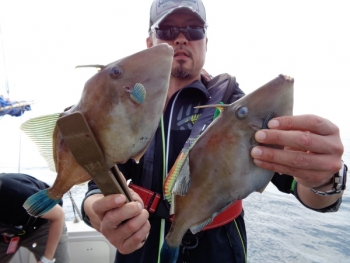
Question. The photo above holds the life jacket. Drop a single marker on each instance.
(222, 89)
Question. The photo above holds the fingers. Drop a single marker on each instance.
(311, 123)
(131, 234)
(310, 148)
(102, 205)
(136, 197)
(311, 170)
(317, 135)
(125, 225)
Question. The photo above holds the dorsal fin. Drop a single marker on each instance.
(40, 131)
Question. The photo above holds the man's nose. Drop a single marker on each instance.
(181, 39)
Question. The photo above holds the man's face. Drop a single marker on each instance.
(189, 56)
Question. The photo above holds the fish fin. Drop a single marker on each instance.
(173, 174)
(99, 67)
(220, 107)
(197, 228)
(169, 254)
(183, 180)
(177, 169)
(39, 203)
(263, 188)
(138, 93)
(40, 131)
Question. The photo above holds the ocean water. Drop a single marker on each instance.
(279, 228)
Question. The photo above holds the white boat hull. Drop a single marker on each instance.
(85, 245)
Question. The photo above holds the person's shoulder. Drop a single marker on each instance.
(18, 181)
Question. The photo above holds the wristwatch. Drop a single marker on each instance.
(46, 260)
(339, 182)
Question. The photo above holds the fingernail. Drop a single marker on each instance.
(273, 124)
(119, 199)
(256, 151)
(260, 136)
(139, 205)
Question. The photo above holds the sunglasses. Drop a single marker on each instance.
(171, 33)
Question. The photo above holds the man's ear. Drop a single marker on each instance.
(149, 42)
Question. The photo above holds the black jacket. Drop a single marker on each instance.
(223, 244)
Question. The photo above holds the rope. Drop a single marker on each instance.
(75, 208)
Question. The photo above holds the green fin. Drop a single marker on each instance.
(40, 131)
(138, 93)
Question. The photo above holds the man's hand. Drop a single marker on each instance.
(312, 149)
(125, 225)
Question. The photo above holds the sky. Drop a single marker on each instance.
(253, 40)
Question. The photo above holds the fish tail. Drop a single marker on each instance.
(39, 203)
(169, 254)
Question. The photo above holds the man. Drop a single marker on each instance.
(46, 236)
(313, 162)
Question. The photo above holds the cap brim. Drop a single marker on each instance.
(179, 9)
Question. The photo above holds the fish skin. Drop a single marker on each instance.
(228, 173)
(122, 125)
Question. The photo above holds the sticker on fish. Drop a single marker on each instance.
(122, 105)
(219, 169)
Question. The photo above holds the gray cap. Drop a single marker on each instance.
(160, 9)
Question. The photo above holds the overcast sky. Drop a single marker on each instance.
(254, 40)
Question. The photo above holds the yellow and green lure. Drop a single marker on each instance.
(183, 158)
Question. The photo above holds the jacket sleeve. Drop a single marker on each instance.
(237, 93)
(286, 184)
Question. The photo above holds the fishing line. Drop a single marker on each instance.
(162, 220)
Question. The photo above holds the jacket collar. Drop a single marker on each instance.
(198, 85)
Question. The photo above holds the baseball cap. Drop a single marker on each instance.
(160, 9)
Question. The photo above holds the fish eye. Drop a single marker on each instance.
(115, 72)
(242, 112)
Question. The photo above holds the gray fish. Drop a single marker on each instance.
(122, 105)
(220, 169)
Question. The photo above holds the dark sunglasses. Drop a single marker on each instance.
(171, 33)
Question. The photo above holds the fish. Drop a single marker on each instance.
(219, 169)
(122, 104)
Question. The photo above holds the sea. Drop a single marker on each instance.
(279, 228)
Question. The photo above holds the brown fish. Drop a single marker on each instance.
(220, 169)
(122, 104)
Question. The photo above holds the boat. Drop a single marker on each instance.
(85, 245)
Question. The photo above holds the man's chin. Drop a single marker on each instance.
(181, 72)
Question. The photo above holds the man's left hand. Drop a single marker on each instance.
(312, 149)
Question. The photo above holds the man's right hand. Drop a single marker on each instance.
(125, 225)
